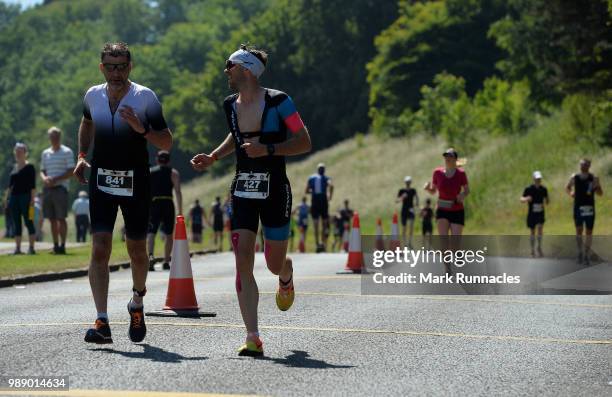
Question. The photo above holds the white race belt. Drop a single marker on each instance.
(537, 208)
(117, 183)
(252, 185)
(586, 210)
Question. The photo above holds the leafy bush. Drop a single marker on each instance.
(588, 119)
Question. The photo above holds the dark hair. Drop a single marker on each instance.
(218, 198)
(260, 54)
(116, 50)
(163, 156)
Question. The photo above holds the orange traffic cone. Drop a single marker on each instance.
(355, 256)
(181, 299)
(395, 242)
(345, 238)
(302, 243)
(380, 242)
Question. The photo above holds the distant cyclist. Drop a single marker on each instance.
(265, 127)
(536, 196)
(321, 189)
(583, 187)
(164, 180)
(410, 200)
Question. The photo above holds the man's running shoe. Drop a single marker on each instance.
(252, 348)
(138, 329)
(285, 295)
(100, 333)
(166, 266)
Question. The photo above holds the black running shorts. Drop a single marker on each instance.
(274, 211)
(135, 209)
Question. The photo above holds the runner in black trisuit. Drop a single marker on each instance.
(197, 214)
(583, 187)
(264, 128)
(216, 215)
(120, 117)
(409, 198)
(164, 180)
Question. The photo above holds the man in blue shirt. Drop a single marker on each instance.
(320, 187)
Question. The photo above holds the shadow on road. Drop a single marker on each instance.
(301, 359)
(152, 353)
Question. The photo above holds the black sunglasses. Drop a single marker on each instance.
(229, 64)
(109, 67)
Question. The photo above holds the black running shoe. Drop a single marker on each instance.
(166, 266)
(100, 333)
(138, 329)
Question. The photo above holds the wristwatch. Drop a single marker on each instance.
(271, 150)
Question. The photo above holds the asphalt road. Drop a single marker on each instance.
(333, 341)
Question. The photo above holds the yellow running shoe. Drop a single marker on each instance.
(285, 295)
(252, 348)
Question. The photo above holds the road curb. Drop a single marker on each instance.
(73, 273)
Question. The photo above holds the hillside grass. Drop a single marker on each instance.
(369, 170)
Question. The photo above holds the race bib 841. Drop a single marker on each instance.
(117, 183)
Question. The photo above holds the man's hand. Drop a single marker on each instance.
(201, 161)
(253, 148)
(129, 115)
(528, 199)
(79, 170)
(48, 181)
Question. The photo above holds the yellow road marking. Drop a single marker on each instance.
(352, 295)
(343, 330)
(120, 393)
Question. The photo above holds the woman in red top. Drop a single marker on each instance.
(452, 185)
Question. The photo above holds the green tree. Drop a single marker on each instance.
(426, 39)
(560, 46)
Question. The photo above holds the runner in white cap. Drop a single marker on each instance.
(535, 195)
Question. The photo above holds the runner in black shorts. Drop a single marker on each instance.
(410, 200)
(120, 117)
(451, 184)
(321, 188)
(427, 226)
(583, 187)
(536, 196)
(196, 217)
(216, 213)
(164, 179)
(264, 128)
